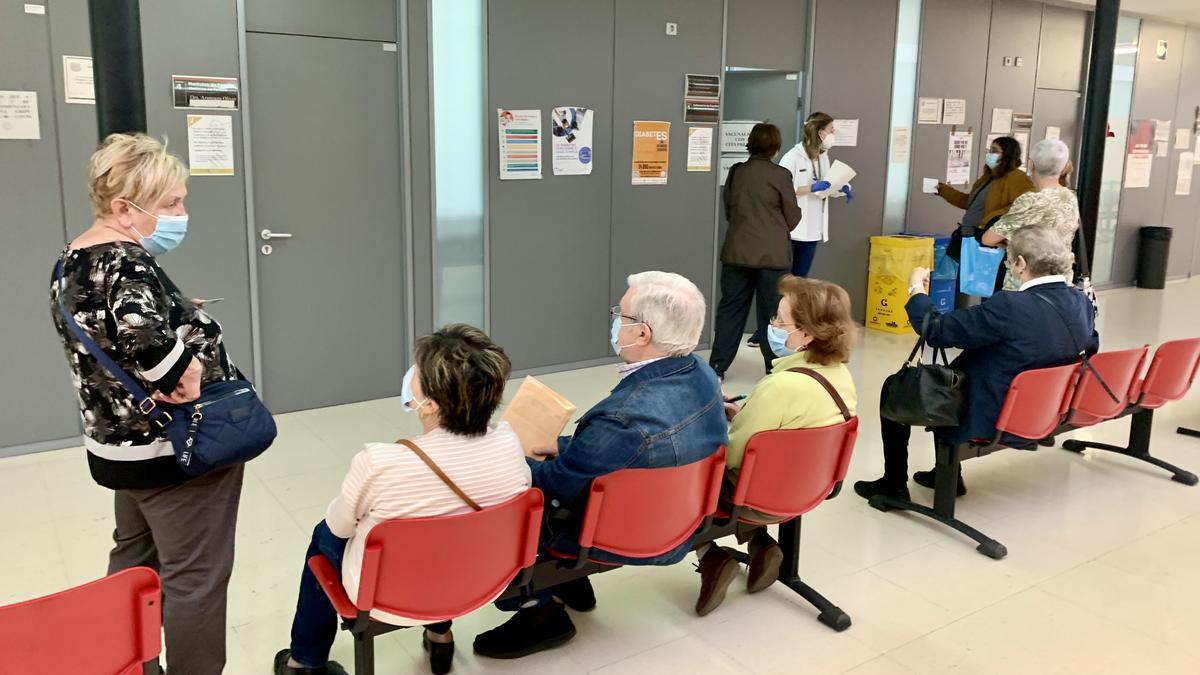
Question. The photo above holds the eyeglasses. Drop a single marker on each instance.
(775, 321)
(615, 311)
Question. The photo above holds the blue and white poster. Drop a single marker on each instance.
(571, 141)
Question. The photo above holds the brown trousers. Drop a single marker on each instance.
(185, 532)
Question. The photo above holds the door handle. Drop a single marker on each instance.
(268, 235)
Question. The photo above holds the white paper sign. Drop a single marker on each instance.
(958, 158)
(77, 80)
(954, 111)
(33, 8)
(699, 149)
(1162, 149)
(1137, 170)
(929, 111)
(571, 141)
(210, 145)
(1183, 139)
(520, 144)
(727, 162)
(1053, 133)
(19, 116)
(929, 186)
(1001, 120)
(846, 133)
(1183, 179)
(734, 136)
(901, 137)
(1023, 139)
(1162, 131)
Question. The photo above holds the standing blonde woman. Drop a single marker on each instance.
(113, 287)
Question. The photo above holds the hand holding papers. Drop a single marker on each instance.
(839, 174)
(929, 186)
(538, 415)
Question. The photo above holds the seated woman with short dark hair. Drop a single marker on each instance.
(454, 388)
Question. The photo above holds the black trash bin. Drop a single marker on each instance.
(1154, 249)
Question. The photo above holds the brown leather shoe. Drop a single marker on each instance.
(717, 569)
(765, 559)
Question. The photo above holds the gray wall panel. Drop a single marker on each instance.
(1016, 31)
(421, 152)
(768, 34)
(662, 227)
(1154, 97)
(949, 68)
(549, 238)
(844, 88)
(369, 20)
(69, 35)
(39, 404)
(1183, 212)
(1063, 52)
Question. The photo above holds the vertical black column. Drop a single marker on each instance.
(116, 29)
(1095, 118)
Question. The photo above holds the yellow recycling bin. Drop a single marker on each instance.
(892, 260)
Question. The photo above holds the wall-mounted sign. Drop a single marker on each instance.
(197, 92)
(77, 80)
(651, 152)
(1160, 50)
(734, 135)
(701, 98)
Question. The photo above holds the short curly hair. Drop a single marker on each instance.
(821, 309)
(464, 372)
(135, 167)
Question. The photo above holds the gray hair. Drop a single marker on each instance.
(672, 307)
(1049, 157)
(1043, 249)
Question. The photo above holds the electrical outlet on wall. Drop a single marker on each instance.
(1020, 62)
(1008, 61)
(672, 28)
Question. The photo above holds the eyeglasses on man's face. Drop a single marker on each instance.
(615, 311)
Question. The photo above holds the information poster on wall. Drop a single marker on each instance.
(1183, 179)
(1141, 137)
(701, 98)
(900, 141)
(1162, 131)
(1022, 138)
(520, 144)
(1002, 120)
(1137, 169)
(734, 135)
(699, 156)
(1183, 139)
(727, 162)
(571, 141)
(19, 116)
(651, 152)
(1053, 133)
(958, 158)
(954, 111)
(1161, 149)
(846, 133)
(78, 82)
(929, 111)
(210, 145)
(203, 92)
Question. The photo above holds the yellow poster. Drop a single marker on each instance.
(651, 152)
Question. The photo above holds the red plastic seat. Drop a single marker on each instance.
(1037, 402)
(1091, 404)
(1172, 372)
(788, 472)
(111, 625)
(643, 513)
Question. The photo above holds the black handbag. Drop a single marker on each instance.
(923, 394)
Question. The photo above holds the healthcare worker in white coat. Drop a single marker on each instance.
(809, 163)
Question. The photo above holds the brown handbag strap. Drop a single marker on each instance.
(440, 474)
(837, 398)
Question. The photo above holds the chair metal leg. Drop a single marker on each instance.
(151, 667)
(1188, 432)
(944, 493)
(364, 653)
(789, 574)
(1138, 448)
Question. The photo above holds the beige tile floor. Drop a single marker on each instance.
(1101, 576)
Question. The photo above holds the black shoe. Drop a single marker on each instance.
(869, 488)
(441, 654)
(282, 668)
(577, 594)
(928, 479)
(530, 631)
(753, 342)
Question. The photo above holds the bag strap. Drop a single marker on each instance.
(147, 405)
(921, 340)
(1085, 363)
(440, 474)
(837, 398)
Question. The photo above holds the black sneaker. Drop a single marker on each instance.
(928, 479)
(577, 594)
(282, 668)
(869, 488)
(754, 342)
(530, 631)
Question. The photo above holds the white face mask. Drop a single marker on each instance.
(829, 142)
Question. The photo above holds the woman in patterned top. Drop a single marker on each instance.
(115, 290)
(1052, 205)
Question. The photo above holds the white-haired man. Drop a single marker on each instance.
(666, 411)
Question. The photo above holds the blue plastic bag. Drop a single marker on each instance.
(978, 267)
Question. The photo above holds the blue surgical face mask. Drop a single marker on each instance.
(777, 339)
(406, 392)
(168, 233)
(992, 160)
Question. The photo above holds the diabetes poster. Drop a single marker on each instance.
(651, 152)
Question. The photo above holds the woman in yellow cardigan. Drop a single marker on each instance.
(812, 330)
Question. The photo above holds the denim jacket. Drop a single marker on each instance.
(668, 413)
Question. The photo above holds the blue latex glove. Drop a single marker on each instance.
(848, 192)
(820, 186)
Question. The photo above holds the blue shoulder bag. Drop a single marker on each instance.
(227, 425)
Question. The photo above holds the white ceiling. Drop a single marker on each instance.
(1178, 11)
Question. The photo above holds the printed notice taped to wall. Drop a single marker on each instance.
(571, 141)
(78, 81)
(954, 111)
(210, 145)
(734, 135)
(846, 133)
(202, 92)
(701, 98)
(900, 142)
(699, 156)
(1138, 167)
(958, 158)
(520, 144)
(1183, 179)
(651, 152)
(19, 116)
(929, 111)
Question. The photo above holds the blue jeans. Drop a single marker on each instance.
(803, 253)
(315, 624)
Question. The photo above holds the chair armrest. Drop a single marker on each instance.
(331, 583)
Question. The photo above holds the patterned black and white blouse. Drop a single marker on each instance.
(128, 306)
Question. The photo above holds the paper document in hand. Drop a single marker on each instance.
(839, 174)
(538, 415)
(929, 186)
